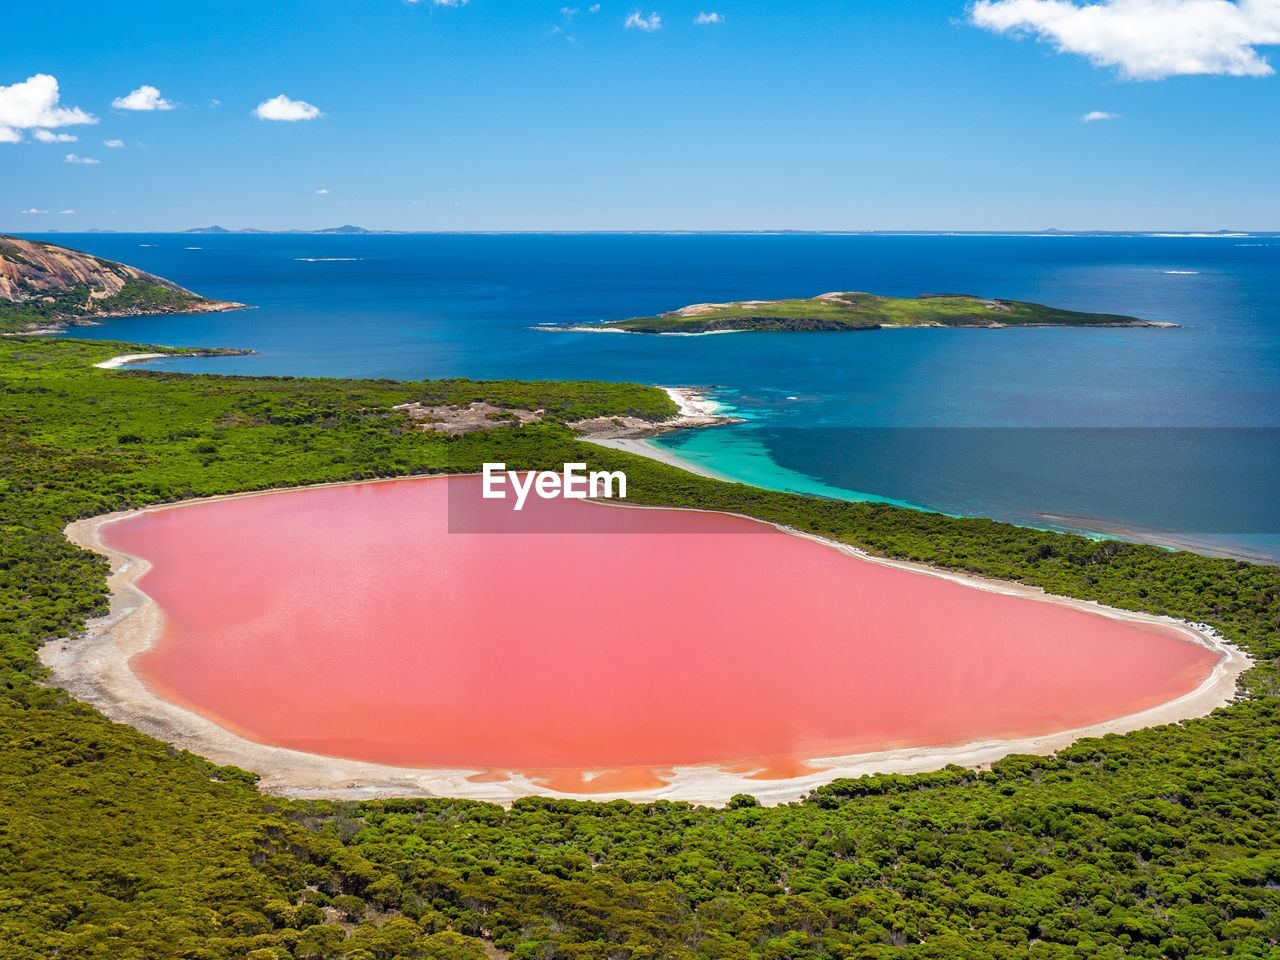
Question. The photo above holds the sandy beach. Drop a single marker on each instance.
(697, 410)
(601, 328)
(96, 668)
(124, 358)
(646, 448)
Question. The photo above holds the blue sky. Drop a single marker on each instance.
(498, 114)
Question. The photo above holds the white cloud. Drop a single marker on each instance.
(648, 24)
(146, 97)
(447, 3)
(48, 136)
(114, 144)
(282, 108)
(705, 18)
(33, 104)
(34, 210)
(215, 102)
(324, 191)
(1095, 115)
(1146, 39)
(594, 8)
(67, 213)
(75, 158)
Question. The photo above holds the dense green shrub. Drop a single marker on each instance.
(1160, 843)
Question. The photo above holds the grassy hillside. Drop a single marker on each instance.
(1162, 843)
(866, 311)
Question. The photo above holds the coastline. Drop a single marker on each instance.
(119, 361)
(993, 325)
(689, 399)
(96, 669)
(123, 359)
(95, 320)
(1099, 527)
(696, 411)
(588, 328)
(644, 447)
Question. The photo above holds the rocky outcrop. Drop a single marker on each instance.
(44, 286)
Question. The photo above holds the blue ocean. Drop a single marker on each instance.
(1161, 434)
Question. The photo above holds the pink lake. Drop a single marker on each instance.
(348, 621)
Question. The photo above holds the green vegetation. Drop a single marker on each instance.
(1161, 843)
(866, 311)
(74, 303)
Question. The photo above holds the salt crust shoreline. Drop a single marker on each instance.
(96, 669)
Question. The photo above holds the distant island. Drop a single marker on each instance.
(859, 311)
(346, 230)
(45, 287)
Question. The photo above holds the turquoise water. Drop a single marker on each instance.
(740, 454)
(1025, 425)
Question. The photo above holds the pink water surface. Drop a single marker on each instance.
(348, 621)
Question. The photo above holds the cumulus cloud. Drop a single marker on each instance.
(704, 18)
(282, 108)
(67, 213)
(33, 104)
(114, 144)
(76, 158)
(1093, 116)
(146, 97)
(48, 136)
(324, 191)
(648, 24)
(1146, 39)
(34, 210)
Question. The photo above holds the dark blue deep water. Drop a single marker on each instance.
(919, 416)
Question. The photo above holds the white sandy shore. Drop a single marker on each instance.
(697, 409)
(124, 358)
(601, 328)
(692, 401)
(96, 669)
(646, 448)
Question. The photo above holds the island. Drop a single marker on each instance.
(45, 287)
(858, 311)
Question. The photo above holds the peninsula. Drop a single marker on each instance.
(860, 311)
(45, 287)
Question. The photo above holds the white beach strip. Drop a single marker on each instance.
(692, 401)
(602, 328)
(95, 668)
(644, 448)
(124, 358)
(577, 328)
